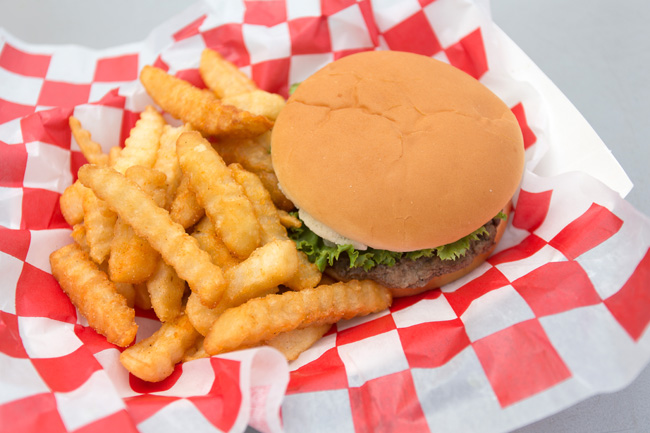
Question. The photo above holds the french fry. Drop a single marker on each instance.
(154, 358)
(267, 267)
(185, 208)
(223, 199)
(71, 203)
(128, 291)
(293, 343)
(141, 297)
(261, 319)
(258, 102)
(235, 88)
(307, 275)
(195, 352)
(99, 221)
(167, 160)
(254, 154)
(166, 290)
(141, 147)
(201, 316)
(94, 295)
(222, 76)
(132, 258)
(91, 150)
(288, 220)
(210, 242)
(113, 155)
(200, 108)
(154, 224)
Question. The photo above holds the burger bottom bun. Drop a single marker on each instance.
(441, 280)
(446, 278)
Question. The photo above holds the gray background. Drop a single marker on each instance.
(596, 51)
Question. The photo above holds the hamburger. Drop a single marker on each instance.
(401, 167)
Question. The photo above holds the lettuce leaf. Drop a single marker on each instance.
(325, 253)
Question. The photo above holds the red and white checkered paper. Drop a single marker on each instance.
(558, 314)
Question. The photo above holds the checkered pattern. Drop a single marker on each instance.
(559, 313)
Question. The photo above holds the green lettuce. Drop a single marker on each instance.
(324, 254)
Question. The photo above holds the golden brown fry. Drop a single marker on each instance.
(222, 76)
(114, 155)
(141, 297)
(288, 220)
(133, 259)
(154, 358)
(166, 290)
(128, 291)
(91, 150)
(195, 352)
(223, 199)
(99, 221)
(167, 160)
(94, 295)
(200, 108)
(261, 319)
(210, 242)
(185, 208)
(258, 102)
(255, 156)
(154, 224)
(71, 203)
(268, 266)
(307, 275)
(293, 343)
(141, 147)
(201, 316)
(79, 236)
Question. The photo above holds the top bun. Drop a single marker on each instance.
(397, 151)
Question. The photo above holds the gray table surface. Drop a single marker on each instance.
(596, 51)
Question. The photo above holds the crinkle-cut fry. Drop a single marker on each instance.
(94, 295)
(288, 220)
(261, 319)
(132, 258)
(141, 146)
(79, 236)
(258, 102)
(200, 107)
(91, 150)
(166, 290)
(128, 291)
(201, 316)
(223, 199)
(167, 160)
(113, 155)
(222, 76)
(154, 358)
(99, 221)
(293, 343)
(185, 208)
(255, 156)
(267, 267)
(210, 242)
(154, 224)
(71, 203)
(307, 275)
(195, 352)
(142, 300)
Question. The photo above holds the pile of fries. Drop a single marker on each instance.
(189, 221)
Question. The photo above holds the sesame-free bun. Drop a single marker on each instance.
(397, 151)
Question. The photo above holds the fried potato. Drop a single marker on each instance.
(210, 242)
(78, 234)
(132, 258)
(141, 147)
(94, 295)
(185, 208)
(255, 156)
(267, 267)
(307, 275)
(222, 76)
(167, 160)
(154, 358)
(195, 352)
(261, 319)
(258, 102)
(288, 220)
(154, 224)
(200, 108)
(71, 203)
(91, 150)
(293, 343)
(113, 155)
(99, 221)
(166, 290)
(223, 199)
(128, 291)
